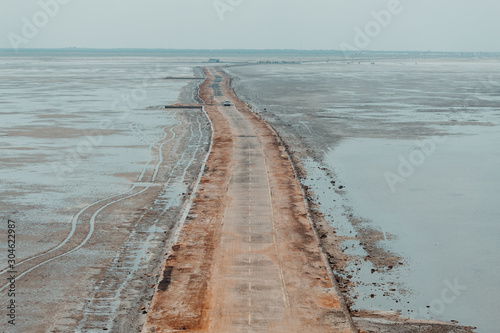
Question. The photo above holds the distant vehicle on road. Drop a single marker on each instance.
(227, 103)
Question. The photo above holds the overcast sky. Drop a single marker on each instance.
(437, 25)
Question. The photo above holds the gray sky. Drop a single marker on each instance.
(437, 25)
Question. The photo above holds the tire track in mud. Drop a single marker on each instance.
(85, 240)
(100, 205)
(104, 304)
(153, 146)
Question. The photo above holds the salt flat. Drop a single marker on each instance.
(352, 124)
(94, 173)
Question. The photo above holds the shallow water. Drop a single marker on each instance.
(440, 213)
(444, 216)
(354, 120)
(76, 129)
(76, 133)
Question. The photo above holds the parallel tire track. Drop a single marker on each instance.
(102, 310)
(98, 207)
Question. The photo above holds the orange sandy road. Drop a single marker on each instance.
(247, 259)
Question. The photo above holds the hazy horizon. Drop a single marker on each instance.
(472, 53)
(367, 25)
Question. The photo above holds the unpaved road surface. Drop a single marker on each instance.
(247, 259)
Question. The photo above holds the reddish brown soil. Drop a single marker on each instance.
(187, 296)
(180, 300)
(183, 300)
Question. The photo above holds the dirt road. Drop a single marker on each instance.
(247, 259)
